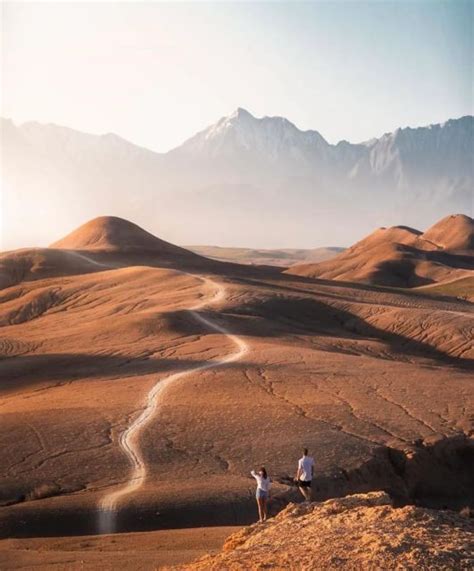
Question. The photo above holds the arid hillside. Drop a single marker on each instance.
(403, 257)
(356, 532)
(257, 363)
(19, 266)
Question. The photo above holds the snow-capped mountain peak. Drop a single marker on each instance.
(268, 138)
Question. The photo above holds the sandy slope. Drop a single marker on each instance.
(454, 232)
(462, 288)
(38, 263)
(354, 533)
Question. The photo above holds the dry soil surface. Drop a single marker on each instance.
(144, 551)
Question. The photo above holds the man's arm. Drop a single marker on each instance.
(298, 472)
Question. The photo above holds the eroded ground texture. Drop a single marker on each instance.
(376, 383)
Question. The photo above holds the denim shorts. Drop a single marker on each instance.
(261, 494)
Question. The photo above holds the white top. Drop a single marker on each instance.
(262, 483)
(305, 465)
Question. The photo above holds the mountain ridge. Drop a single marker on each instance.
(215, 187)
(8, 121)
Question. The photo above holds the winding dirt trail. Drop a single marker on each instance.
(129, 439)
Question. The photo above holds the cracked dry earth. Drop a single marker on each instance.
(357, 532)
(349, 371)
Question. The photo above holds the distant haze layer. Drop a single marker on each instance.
(281, 257)
(244, 181)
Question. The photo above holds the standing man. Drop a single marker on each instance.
(304, 475)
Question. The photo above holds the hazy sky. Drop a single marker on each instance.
(155, 73)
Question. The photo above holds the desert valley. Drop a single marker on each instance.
(225, 366)
(237, 285)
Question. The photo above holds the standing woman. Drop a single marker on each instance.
(263, 491)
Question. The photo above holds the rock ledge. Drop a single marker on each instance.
(361, 531)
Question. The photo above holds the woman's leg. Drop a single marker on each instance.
(264, 508)
(260, 509)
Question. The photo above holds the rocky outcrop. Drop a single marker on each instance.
(361, 531)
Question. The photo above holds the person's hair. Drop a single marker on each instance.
(264, 472)
(305, 451)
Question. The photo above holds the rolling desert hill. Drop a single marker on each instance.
(463, 288)
(404, 257)
(282, 257)
(80, 252)
(217, 185)
(231, 367)
(454, 233)
(36, 263)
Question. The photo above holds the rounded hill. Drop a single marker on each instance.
(455, 232)
(110, 233)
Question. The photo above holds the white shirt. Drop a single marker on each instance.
(262, 483)
(305, 465)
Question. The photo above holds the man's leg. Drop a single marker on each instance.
(302, 490)
(306, 492)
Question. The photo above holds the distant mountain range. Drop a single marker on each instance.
(243, 181)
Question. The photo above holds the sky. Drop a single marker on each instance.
(156, 73)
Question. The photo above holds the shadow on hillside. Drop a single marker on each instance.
(255, 275)
(340, 289)
(73, 263)
(280, 317)
(399, 273)
(53, 369)
(402, 273)
(456, 261)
